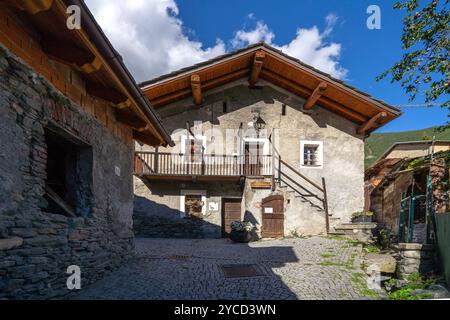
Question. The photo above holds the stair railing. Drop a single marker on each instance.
(300, 183)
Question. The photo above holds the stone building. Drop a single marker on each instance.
(260, 137)
(70, 112)
(402, 175)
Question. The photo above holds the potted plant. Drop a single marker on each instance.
(362, 217)
(241, 231)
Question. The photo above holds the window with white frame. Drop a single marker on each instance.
(311, 154)
(193, 147)
(192, 203)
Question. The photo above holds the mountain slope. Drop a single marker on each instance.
(378, 143)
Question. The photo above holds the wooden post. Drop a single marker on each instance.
(273, 159)
(203, 161)
(401, 223)
(325, 205)
(279, 169)
(156, 160)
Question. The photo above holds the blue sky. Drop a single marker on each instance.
(365, 53)
(170, 34)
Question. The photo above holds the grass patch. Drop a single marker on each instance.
(371, 248)
(327, 254)
(354, 243)
(329, 263)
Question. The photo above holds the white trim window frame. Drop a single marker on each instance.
(183, 194)
(183, 146)
(319, 152)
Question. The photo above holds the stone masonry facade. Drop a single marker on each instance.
(36, 247)
(343, 153)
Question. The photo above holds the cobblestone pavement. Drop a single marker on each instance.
(310, 268)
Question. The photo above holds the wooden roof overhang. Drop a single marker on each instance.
(89, 51)
(261, 61)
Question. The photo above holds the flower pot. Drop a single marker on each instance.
(362, 219)
(240, 236)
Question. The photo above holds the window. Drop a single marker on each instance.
(193, 147)
(192, 203)
(224, 107)
(311, 154)
(69, 175)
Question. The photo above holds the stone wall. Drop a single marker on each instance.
(157, 212)
(36, 247)
(343, 149)
(415, 257)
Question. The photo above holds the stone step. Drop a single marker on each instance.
(336, 233)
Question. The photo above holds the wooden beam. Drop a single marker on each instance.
(128, 117)
(59, 201)
(258, 62)
(196, 88)
(105, 93)
(33, 7)
(180, 94)
(92, 66)
(371, 123)
(66, 52)
(303, 91)
(315, 95)
(146, 137)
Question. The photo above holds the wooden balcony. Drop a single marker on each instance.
(206, 167)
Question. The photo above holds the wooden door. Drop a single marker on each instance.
(231, 211)
(272, 217)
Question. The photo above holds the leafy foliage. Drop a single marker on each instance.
(404, 289)
(241, 226)
(426, 40)
(426, 34)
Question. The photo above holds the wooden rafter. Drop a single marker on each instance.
(258, 62)
(128, 117)
(32, 7)
(301, 90)
(315, 95)
(146, 137)
(105, 93)
(196, 88)
(371, 123)
(166, 99)
(66, 52)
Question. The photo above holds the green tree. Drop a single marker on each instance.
(425, 66)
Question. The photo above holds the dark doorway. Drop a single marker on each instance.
(231, 211)
(253, 151)
(272, 217)
(69, 175)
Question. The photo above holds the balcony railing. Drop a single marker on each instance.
(178, 164)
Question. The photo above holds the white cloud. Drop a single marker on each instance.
(153, 40)
(149, 36)
(309, 45)
(260, 33)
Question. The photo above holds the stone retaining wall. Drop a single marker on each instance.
(415, 257)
